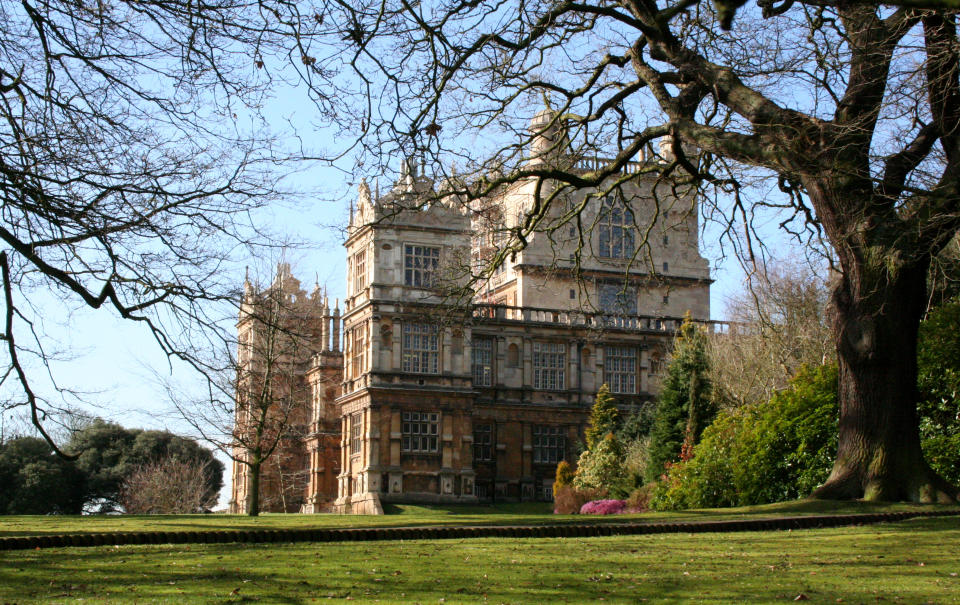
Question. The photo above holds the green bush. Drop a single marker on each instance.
(757, 454)
(602, 468)
(938, 380)
(639, 499)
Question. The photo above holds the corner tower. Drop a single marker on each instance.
(406, 397)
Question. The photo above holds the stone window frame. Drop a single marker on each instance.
(549, 444)
(420, 432)
(617, 298)
(617, 237)
(358, 350)
(356, 433)
(620, 364)
(420, 347)
(483, 442)
(420, 265)
(549, 365)
(358, 270)
(481, 361)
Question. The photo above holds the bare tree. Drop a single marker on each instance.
(839, 119)
(778, 324)
(170, 486)
(257, 410)
(133, 154)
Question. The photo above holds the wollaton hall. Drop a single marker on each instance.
(411, 396)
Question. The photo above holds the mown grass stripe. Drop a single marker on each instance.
(454, 532)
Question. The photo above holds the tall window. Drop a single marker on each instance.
(420, 432)
(617, 238)
(548, 444)
(420, 265)
(482, 442)
(620, 369)
(482, 362)
(549, 364)
(356, 433)
(358, 350)
(358, 268)
(421, 348)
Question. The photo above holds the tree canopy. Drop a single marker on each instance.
(36, 481)
(110, 453)
(134, 152)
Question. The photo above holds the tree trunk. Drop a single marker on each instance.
(878, 304)
(253, 490)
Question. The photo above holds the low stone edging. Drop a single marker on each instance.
(568, 530)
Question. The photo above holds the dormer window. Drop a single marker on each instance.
(420, 265)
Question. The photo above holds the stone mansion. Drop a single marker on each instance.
(405, 396)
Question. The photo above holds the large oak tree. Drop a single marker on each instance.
(841, 118)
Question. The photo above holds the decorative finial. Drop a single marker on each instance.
(364, 197)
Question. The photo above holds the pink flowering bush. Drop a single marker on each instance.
(603, 507)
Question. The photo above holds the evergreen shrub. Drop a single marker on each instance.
(564, 476)
(938, 380)
(770, 452)
(602, 467)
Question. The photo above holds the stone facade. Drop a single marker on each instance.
(446, 402)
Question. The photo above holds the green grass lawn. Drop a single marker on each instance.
(409, 515)
(913, 561)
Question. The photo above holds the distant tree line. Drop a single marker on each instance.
(118, 470)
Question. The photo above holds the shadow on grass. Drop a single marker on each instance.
(406, 515)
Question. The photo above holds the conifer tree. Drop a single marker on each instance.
(604, 417)
(685, 407)
(564, 476)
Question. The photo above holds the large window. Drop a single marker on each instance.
(549, 364)
(548, 444)
(356, 433)
(617, 238)
(420, 432)
(620, 369)
(482, 360)
(420, 265)
(421, 348)
(482, 442)
(617, 299)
